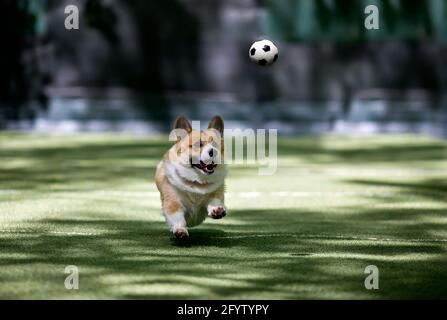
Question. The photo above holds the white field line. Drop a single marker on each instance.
(330, 237)
(292, 170)
(252, 194)
(64, 233)
(9, 191)
(308, 194)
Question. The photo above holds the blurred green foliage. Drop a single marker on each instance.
(20, 22)
(343, 20)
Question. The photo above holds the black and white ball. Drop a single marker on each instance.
(263, 53)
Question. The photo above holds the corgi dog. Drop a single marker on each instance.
(191, 176)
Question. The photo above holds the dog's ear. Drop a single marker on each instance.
(182, 123)
(217, 123)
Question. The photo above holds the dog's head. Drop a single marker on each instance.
(199, 150)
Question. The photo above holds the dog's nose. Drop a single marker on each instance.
(211, 152)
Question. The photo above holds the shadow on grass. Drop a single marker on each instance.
(271, 253)
(260, 254)
(38, 167)
(98, 161)
(432, 188)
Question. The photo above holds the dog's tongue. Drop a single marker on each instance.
(206, 167)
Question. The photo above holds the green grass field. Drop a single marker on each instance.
(335, 206)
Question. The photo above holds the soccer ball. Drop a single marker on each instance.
(263, 53)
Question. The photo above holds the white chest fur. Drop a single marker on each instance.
(194, 206)
(194, 189)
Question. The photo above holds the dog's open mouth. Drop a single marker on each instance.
(207, 168)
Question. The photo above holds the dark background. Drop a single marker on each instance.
(134, 65)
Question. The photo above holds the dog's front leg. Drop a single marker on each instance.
(172, 209)
(177, 223)
(216, 209)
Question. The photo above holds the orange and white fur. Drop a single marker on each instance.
(191, 177)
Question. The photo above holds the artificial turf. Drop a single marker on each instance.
(335, 205)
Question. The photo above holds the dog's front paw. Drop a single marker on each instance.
(181, 233)
(217, 212)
